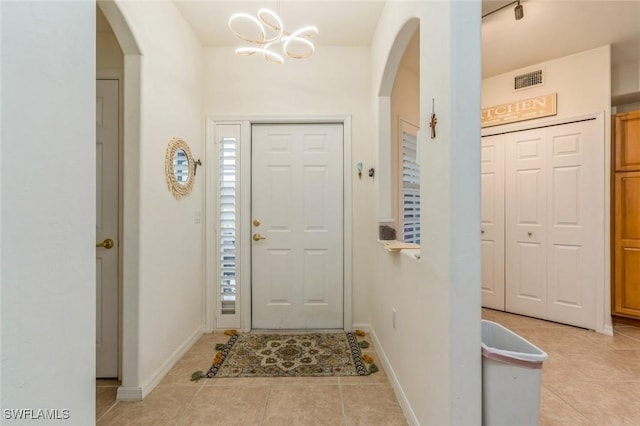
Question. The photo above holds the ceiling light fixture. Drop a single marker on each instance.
(269, 33)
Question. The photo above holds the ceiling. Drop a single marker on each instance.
(340, 23)
(550, 28)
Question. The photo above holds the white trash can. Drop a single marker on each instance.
(511, 376)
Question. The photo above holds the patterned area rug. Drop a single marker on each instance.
(290, 355)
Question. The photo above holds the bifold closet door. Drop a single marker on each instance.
(525, 218)
(554, 214)
(575, 218)
(492, 221)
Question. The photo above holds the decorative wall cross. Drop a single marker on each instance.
(434, 120)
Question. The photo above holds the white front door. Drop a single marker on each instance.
(297, 207)
(106, 228)
(492, 221)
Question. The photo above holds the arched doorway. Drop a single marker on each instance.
(398, 103)
(129, 194)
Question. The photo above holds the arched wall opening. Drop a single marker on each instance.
(130, 178)
(388, 122)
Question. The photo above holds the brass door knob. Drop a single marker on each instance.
(258, 237)
(108, 244)
(256, 222)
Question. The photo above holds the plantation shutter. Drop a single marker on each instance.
(228, 223)
(410, 189)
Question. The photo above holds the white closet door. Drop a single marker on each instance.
(492, 221)
(575, 217)
(107, 228)
(526, 215)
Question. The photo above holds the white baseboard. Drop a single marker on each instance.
(135, 393)
(129, 393)
(393, 379)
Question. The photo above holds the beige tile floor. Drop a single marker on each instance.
(367, 400)
(589, 379)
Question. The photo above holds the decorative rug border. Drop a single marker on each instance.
(225, 352)
(361, 368)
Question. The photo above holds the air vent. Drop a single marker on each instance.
(530, 79)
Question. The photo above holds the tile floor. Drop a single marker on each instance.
(589, 379)
(366, 400)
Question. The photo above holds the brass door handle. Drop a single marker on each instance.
(108, 244)
(258, 237)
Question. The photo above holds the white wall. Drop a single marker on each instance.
(48, 211)
(625, 86)
(435, 350)
(166, 307)
(334, 81)
(583, 84)
(625, 78)
(108, 53)
(635, 106)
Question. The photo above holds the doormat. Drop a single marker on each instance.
(291, 355)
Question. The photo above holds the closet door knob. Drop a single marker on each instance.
(108, 244)
(482, 232)
(530, 233)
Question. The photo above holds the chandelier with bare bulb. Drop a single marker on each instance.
(266, 32)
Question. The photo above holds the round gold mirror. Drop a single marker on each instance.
(179, 168)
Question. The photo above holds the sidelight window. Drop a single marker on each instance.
(228, 220)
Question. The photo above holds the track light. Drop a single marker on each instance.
(518, 11)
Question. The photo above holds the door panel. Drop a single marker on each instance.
(492, 221)
(566, 271)
(297, 195)
(576, 222)
(627, 135)
(530, 267)
(627, 244)
(107, 228)
(525, 239)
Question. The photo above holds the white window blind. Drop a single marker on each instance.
(228, 192)
(410, 189)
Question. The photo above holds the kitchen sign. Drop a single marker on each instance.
(526, 109)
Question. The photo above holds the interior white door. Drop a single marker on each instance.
(526, 215)
(297, 207)
(492, 221)
(575, 214)
(106, 228)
